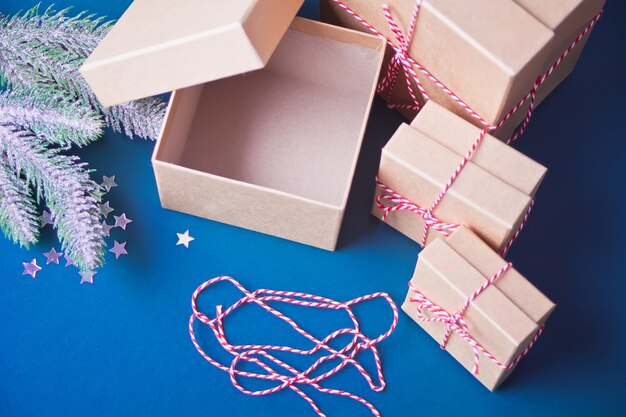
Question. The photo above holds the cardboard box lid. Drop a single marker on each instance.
(493, 155)
(159, 46)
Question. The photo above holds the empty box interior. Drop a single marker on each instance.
(295, 126)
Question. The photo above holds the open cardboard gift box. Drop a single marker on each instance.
(505, 319)
(489, 53)
(265, 125)
(492, 194)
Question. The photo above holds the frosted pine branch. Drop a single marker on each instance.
(68, 190)
(79, 34)
(51, 118)
(18, 216)
(50, 108)
(141, 117)
(42, 53)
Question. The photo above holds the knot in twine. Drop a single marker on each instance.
(400, 203)
(428, 311)
(390, 201)
(402, 61)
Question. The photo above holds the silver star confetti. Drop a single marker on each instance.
(119, 249)
(46, 218)
(106, 228)
(31, 268)
(184, 239)
(122, 221)
(52, 256)
(108, 182)
(68, 261)
(87, 277)
(106, 209)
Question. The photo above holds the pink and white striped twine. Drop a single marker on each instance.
(454, 322)
(402, 60)
(391, 201)
(261, 355)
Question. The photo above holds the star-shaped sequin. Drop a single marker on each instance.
(86, 277)
(122, 221)
(46, 218)
(106, 209)
(31, 268)
(52, 256)
(108, 182)
(184, 239)
(68, 261)
(106, 228)
(119, 249)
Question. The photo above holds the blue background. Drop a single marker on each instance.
(120, 347)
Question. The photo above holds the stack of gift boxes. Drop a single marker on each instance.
(268, 112)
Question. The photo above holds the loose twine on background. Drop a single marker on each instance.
(278, 371)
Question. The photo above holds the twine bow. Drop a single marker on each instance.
(400, 203)
(390, 201)
(455, 323)
(401, 60)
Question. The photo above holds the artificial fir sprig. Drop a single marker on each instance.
(28, 125)
(70, 194)
(51, 118)
(45, 110)
(78, 34)
(18, 215)
(43, 53)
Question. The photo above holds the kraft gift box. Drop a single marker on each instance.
(504, 319)
(494, 49)
(266, 121)
(491, 195)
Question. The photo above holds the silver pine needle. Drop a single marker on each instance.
(51, 118)
(18, 215)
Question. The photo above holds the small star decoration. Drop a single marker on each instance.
(52, 256)
(119, 249)
(68, 261)
(87, 276)
(31, 268)
(106, 228)
(122, 221)
(184, 239)
(46, 218)
(108, 182)
(106, 209)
